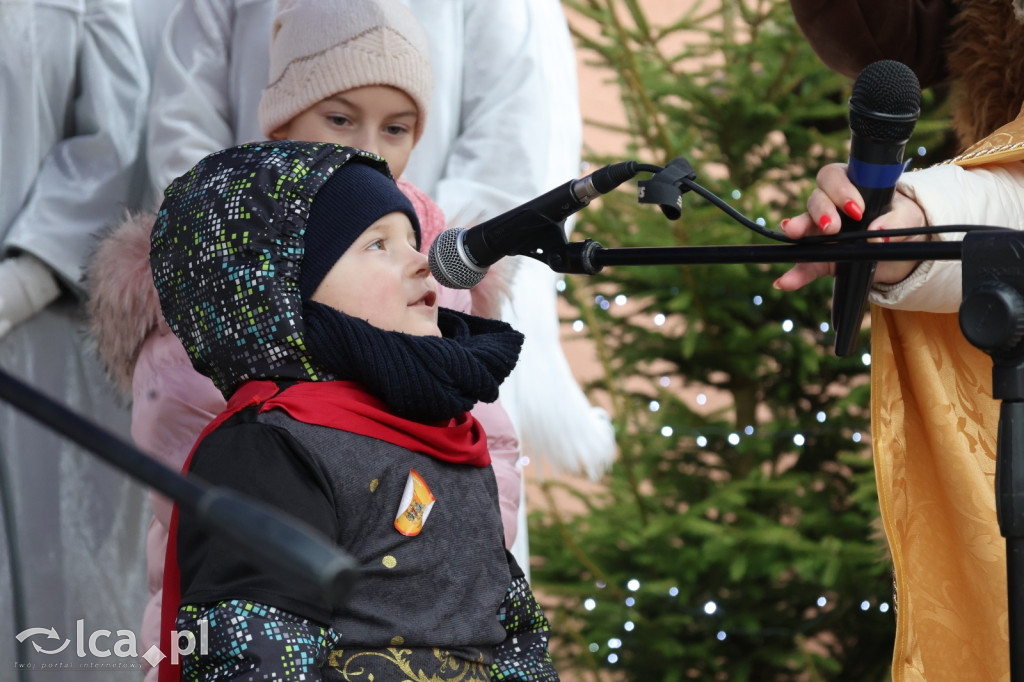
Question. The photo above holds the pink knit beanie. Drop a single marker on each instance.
(319, 48)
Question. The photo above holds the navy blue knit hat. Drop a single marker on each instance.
(356, 196)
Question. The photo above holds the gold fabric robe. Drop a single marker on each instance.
(934, 425)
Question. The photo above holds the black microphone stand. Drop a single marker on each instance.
(991, 318)
(269, 536)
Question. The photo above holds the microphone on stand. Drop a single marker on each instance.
(884, 107)
(459, 257)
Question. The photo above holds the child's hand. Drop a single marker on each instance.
(835, 190)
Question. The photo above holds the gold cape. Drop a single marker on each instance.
(933, 428)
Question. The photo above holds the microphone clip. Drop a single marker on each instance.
(665, 188)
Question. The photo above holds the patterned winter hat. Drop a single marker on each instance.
(227, 252)
(319, 48)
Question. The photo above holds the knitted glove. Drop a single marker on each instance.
(26, 287)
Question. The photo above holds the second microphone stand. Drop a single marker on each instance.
(991, 318)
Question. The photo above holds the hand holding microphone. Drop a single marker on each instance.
(883, 111)
(884, 107)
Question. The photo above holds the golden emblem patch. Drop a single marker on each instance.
(417, 501)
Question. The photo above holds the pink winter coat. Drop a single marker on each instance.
(172, 403)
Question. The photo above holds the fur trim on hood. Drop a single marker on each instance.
(123, 307)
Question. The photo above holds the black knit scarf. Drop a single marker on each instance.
(423, 378)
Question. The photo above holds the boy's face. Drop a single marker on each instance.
(385, 280)
(377, 118)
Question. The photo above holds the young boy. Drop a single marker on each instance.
(355, 73)
(291, 273)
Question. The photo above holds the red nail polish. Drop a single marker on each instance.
(824, 222)
(885, 239)
(853, 210)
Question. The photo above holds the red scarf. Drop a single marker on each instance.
(338, 404)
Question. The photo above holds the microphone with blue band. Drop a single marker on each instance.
(873, 175)
(884, 108)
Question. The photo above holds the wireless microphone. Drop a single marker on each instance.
(884, 108)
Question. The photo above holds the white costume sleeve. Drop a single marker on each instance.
(951, 195)
(211, 70)
(190, 109)
(85, 178)
(504, 127)
(497, 160)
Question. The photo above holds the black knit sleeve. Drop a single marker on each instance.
(524, 655)
(269, 465)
